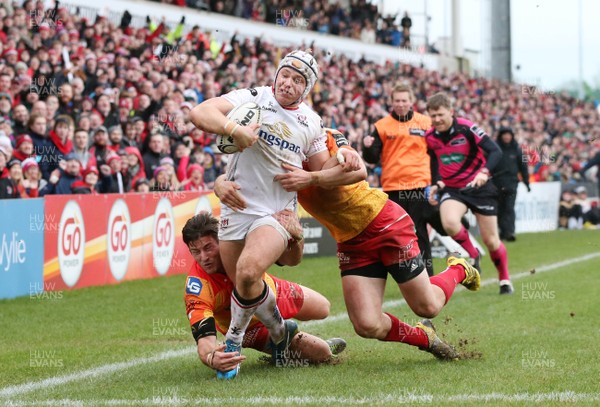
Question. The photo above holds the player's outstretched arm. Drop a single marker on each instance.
(296, 178)
(214, 356)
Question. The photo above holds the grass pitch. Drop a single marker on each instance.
(130, 344)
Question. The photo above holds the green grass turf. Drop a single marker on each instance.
(540, 340)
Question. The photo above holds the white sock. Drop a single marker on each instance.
(268, 313)
(241, 315)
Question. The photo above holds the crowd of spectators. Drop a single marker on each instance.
(359, 19)
(94, 107)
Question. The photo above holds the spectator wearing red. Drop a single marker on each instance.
(135, 164)
(60, 137)
(33, 181)
(90, 177)
(8, 190)
(24, 147)
(195, 179)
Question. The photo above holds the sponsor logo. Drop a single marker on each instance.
(71, 243)
(416, 132)
(479, 132)
(119, 239)
(269, 107)
(253, 91)
(163, 236)
(458, 141)
(193, 286)
(452, 158)
(13, 251)
(276, 137)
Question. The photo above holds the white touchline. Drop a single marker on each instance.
(391, 398)
(15, 390)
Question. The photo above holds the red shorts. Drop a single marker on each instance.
(290, 299)
(388, 245)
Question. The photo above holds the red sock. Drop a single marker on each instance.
(401, 332)
(500, 260)
(448, 279)
(462, 238)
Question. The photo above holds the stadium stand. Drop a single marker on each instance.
(142, 76)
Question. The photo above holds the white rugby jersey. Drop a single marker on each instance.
(285, 136)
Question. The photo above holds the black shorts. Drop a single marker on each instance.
(482, 200)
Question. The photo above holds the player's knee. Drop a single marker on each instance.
(368, 329)
(247, 273)
(323, 308)
(491, 242)
(426, 310)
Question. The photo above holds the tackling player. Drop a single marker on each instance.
(375, 237)
(462, 156)
(208, 293)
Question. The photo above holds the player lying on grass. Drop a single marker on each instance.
(375, 237)
(208, 295)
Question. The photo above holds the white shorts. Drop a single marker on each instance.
(236, 225)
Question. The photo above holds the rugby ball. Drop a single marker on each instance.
(245, 114)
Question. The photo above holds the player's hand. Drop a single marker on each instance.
(245, 136)
(223, 361)
(480, 179)
(227, 191)
(294, 180)
(348, 159)
(368, 141)
(289, 220)
(433, 193)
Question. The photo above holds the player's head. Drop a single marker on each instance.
(402, 99)
(200, 234)
(439, 107)
(296, 75)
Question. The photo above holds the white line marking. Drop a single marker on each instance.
(398, 398)
(12, 391)
(489, 281)
(28, 387)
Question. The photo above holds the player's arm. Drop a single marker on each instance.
(436, 179)
(344, 168)
(211, 354)
(493, 154)
(296, 178)
(227, 192)
(372, 147)
(210, 116)
(293, 254)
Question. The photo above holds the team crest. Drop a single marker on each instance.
(303, 120)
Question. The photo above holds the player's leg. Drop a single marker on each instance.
(314, 306)
(425, 295)
(489, 234)
(451, 212)
(264, 244)
(364, 296)
(303, 348)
